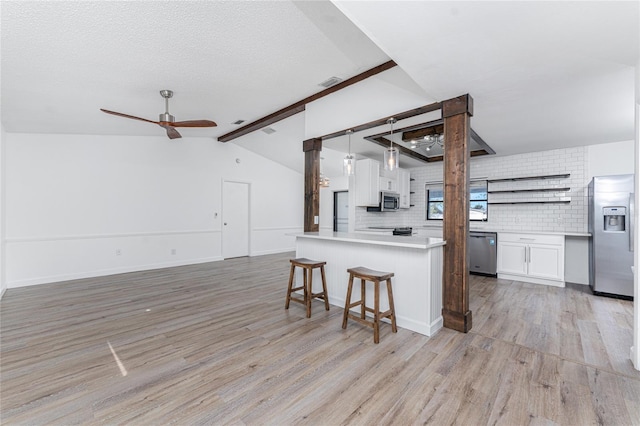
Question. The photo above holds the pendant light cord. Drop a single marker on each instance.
(391, 121)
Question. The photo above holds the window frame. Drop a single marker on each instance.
(439, 186)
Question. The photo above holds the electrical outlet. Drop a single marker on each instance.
(173, 251)
(118, 252)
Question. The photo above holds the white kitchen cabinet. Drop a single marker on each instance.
(367, 183)
(388, 184)
(403, 188)
(536, 258)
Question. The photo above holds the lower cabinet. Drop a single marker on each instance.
(536, 258)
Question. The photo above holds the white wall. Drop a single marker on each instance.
(635, 349)
(610, 159)
(72, 201)
(3, 281)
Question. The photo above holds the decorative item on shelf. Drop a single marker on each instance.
(349, 165)
(391, 154)
(324, 181)
(428, 142)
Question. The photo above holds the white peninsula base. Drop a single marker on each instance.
(415, 261)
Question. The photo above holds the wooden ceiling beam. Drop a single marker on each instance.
(300, 105)
(421, 133)
(382, 141)
(400, 116)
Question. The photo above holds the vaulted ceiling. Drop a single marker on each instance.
(543, 75)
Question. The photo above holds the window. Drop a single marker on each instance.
(435, 202)
(477, 201)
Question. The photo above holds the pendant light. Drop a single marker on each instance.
(349, 163)
(323, 181)
(391, 154)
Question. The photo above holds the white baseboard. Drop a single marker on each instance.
(528, 279)
(401, 321)
(436, 325)
(105, 272)
(273, 251)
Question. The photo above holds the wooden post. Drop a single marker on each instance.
(455, 296)
(312, 148)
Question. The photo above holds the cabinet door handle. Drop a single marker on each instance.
(527, 239)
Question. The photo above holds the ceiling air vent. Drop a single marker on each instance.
(268, 130)
(238, 122)
(330, 82)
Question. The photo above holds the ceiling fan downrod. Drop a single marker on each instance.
(166, 94)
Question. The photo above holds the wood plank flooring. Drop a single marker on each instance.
(213, 344)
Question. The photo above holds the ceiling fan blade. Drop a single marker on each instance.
(193, 123)
(119, 114)
(171, 132)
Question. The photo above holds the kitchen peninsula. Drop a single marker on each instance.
(415, 261)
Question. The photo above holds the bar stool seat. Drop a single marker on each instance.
(376, 277)
(307, 266)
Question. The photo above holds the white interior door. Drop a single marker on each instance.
(235, 219)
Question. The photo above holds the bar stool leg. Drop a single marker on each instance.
(394, 328)
(291, 276)
(348, 302)
(363, 298)
(376, 312)
(308, 289)
(324, 288)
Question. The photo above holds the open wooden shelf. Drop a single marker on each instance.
(531, 190)
(530, 202)
(562, 176)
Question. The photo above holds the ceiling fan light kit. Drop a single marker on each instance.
(428, 142)
(166, 120)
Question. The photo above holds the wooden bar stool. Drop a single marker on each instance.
(307, 266)
(366, 274)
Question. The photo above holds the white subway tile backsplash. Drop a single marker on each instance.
(571, 217)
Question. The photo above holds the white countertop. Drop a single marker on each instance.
(506, 231)
(566, 234)
(383, 240)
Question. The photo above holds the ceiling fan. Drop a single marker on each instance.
(167, 121)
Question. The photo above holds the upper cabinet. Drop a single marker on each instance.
(388, 184)
(403, 188)
(371, 179)
(367, 183)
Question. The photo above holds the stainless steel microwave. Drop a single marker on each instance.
(389, 202)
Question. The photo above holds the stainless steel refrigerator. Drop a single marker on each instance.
(611, 227)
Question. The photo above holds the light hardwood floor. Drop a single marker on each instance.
(213, 344)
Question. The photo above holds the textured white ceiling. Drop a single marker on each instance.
(543, 75)
(62, 61)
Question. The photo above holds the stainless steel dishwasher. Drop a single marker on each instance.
(483, 253)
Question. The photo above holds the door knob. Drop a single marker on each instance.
(225, 224)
